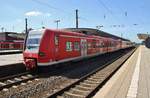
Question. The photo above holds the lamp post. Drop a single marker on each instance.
(2, 28)
(57, 21)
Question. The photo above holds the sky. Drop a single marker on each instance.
(118, 17)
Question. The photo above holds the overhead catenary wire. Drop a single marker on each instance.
(108, 10)
(100, 2)
(58, 9)
(103, 4)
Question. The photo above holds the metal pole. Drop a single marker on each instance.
(77, 24)
(121, 40)
(57, 21)
(26, 32)
(26, 25)
(2, 29)
(57, 24)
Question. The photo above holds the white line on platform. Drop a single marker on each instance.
(132, 92)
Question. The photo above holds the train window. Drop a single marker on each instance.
(33, 43)
(11, 45)
(89, 45)
(94, 43)
(76, 46)
(56, 40)
(68, 46)
(33, 40)
(97, 45)
(103, 45)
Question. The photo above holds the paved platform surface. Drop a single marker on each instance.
(10, 59)
(132, 80)
(9, 51)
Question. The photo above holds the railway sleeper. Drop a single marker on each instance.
(91, 82)
(102, 75)
(60, 97)
(78, 91)
(2, 84)
(10, 81)
(70, 95)
(95, 80)
(24, 77)
(17, 79)
(87, 85)
(97, 77)
(29, 75)
(83, 88)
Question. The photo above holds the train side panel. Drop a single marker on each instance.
(68, 46)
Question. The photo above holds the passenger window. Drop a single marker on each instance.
(56, 40)
(76, 46)
(89, 45)
(68, 46)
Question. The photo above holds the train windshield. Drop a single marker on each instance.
(33, 40)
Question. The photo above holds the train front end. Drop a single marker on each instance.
(31, 49)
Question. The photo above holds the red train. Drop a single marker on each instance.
(11, 40)
(15, 45)
(46, 47)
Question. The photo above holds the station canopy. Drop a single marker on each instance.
(143, 36)
(90, 31)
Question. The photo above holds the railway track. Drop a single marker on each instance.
(51, 83)
(12, 81)
(89, 84)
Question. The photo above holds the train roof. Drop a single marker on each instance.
(10, 36)
(66, 31)
(91, 31)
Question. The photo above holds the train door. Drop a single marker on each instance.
(100, 46)
(83, 47)
(57, 46)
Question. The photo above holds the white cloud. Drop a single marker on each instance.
(33, 13)
(37, 13)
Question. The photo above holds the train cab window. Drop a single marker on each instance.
(76, 46)
(33, 40)
(68, 46)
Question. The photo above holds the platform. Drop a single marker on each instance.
(9, 51)
(132, 80)
(11, 59)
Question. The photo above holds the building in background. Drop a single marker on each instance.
(11, 36)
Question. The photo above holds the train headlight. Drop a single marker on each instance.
(41, 54)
